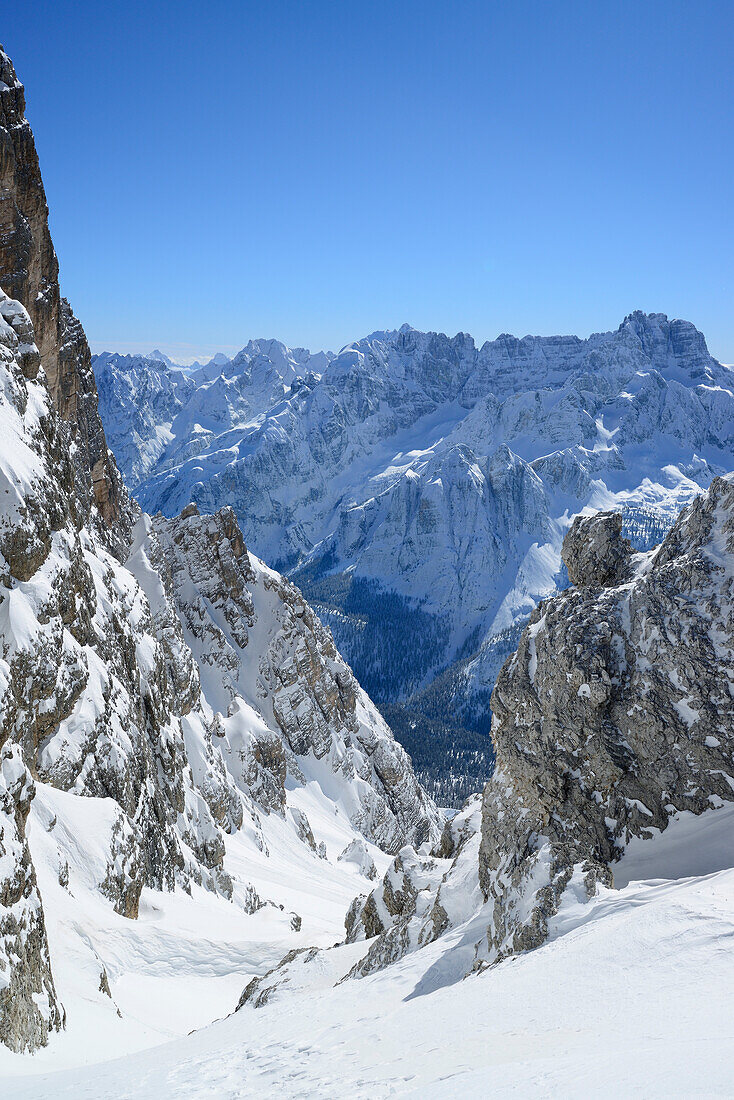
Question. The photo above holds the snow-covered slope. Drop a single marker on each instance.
(420, 488)
(632, 996)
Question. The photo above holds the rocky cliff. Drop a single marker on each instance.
(614, 716)
(160, 689)
(86, 691)
(260, 650)
(29, 272)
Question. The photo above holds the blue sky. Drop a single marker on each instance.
(315, 171)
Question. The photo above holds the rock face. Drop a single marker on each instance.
(85, 692)
(29, 1009)
(29, 272)
(420, 897)
(595, 553)
(614, 716)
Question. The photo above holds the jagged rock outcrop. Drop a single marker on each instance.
(392, 911)
(29, 1008)
(595, 553)
(420, 897)
(86, 690)
(614, 714)
(29, 272)
(288, 701)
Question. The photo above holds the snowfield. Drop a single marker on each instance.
(186, 959)
(632, 996)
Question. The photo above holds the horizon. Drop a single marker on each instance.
(205, 356)
(533, 169)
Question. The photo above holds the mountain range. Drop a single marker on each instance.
(418, 487)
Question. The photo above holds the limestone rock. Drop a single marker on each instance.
(289, 970)
(418, 898)
(29, 1007)
(290, 697)
(303, 827)
(613, 715)
(595, 553)
(29, 272)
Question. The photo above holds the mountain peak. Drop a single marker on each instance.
(676, 345)
(639, 317)
(158, 356)
(9, 81)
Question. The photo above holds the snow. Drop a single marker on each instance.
(186, 960)
(533, 631)
(634, 1000)
(686, 712)
(690, 846)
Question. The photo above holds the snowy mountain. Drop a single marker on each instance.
(418, 487)
(187, 694)
(157, 414)
(174, 718)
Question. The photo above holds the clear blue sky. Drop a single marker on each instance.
(317, 170)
